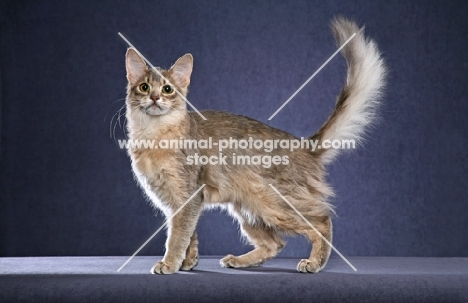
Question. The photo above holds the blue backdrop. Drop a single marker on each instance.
(67, 188)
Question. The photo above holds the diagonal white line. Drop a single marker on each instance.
(159, 73)
(162, 226)
(311, 77)
(313, 227)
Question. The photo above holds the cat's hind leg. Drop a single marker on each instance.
(321, 249)
(191, 256)
(268, 243)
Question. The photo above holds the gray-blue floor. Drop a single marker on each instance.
(95, 279)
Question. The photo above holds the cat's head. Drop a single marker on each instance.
(151, 94)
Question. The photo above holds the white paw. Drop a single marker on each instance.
(189, 264)
(163, 268)
(228, 261)
(308, 266)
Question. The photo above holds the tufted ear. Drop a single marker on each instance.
(181, 70)
(136, 67)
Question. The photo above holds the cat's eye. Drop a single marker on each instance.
(144, 87)
(167, 89)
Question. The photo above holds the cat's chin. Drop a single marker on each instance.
(156, 111)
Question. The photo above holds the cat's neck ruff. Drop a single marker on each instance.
(147, 127)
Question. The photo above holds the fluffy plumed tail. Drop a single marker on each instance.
(357, 102)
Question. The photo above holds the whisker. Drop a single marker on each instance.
(118, 119)
(110, 124)
(115, 125)
(119, 100)
(107, 111)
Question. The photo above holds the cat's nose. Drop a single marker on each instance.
(155, 98)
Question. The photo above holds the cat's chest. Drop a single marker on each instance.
(151, 163)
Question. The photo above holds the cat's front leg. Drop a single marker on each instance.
(181, 228)
(191, 255)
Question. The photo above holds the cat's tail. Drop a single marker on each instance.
(357, 102)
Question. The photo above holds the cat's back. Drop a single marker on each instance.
(226, 125)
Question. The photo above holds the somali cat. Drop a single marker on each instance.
(156, 111)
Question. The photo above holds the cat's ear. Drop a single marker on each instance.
(181, 70)
(136, 67)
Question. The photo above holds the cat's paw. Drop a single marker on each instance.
(308, 266)
(163, 268)
(189, 263)
(229, 261)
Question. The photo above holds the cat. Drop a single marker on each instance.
(155, 110)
